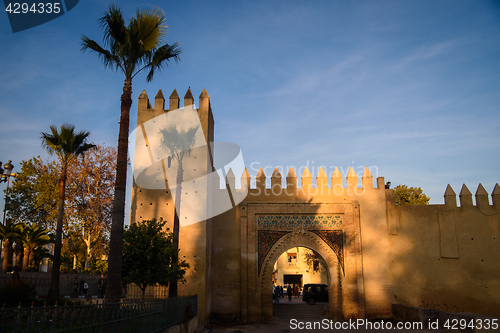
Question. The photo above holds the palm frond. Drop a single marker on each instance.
(65, 143)
(148, 26)
(161, 58)
(106, 56)
(115, 30)
(136, 46)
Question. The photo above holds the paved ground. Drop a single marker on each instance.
(289, 326)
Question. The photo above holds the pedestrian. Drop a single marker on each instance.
(289, 293)
(75, 289)
(276, 292)
(85, 288)
(296, 291)
(101, 286)
(281, 292)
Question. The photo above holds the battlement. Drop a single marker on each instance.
(146, 112)
(174, 100)
(259, 186)
(465, 197)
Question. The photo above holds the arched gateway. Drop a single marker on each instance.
(231, 251)
(377, 254)
(332, 230)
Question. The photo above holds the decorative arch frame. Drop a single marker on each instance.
(310, 240)
(312, 225)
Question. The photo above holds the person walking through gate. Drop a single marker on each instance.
(289, 293)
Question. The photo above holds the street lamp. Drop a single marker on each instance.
(6, 172)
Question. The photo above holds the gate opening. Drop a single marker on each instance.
(297, 267)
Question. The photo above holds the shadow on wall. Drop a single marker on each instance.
(446, 257)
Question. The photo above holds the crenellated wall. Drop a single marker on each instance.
(443, 256)
(195, 240)
(366, 224)
(447, 257)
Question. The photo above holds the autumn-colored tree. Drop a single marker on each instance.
(33, 194)
(91, 204)
(410, 196)
(33, 198)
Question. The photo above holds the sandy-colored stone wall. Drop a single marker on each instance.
(195, 240)
(447, 257)
(366, 283)
(440, 256)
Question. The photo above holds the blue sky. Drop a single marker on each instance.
(409, 88)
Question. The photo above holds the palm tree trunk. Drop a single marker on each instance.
(54, 279)
(7, 253)
(26, 259)
(172, 290)
(114, 285)
(19, 250)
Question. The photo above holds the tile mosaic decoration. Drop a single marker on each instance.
(299, 221)
(266, 240)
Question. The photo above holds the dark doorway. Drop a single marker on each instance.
(293, 279)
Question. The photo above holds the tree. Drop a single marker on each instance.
(314, 260)
(33, 199)
(93, 179)
(33, 237)
(131, 49)
(179, 144)
(33, 194)
(66, 144)
(149, 257)
(410, 196)
(8, 234)
(73, 252)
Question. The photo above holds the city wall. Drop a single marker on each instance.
(447, 257)
(440, 256)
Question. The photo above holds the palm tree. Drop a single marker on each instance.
(131, 49)
(8, 234)
(19, 252)
(67, 145)
(178, 144)
(32, 237)
(39, 254)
